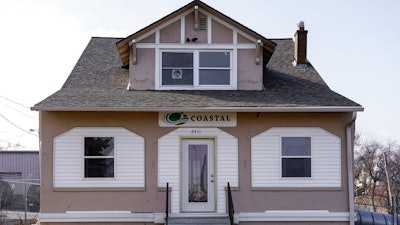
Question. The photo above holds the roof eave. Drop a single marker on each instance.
(206, 109)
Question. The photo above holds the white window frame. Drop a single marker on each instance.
(196, 69)
(296, 157)
(99, 157)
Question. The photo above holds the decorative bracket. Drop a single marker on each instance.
(134, 53)
(259, 46)
(196, 17)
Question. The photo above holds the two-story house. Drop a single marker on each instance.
(196, 100)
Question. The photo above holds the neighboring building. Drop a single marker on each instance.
(18, 165)
(19, 178)
(196, 100)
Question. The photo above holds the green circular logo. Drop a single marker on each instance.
(175, 118)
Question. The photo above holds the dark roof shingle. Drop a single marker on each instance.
(98, 82)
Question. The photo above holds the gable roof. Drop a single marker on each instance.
(98, 83)
(123, 45)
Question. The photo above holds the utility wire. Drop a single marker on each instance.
(18, 111)
(15, 125)
(14, 102)
(5, 140)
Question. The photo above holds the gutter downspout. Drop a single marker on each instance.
(350, 172)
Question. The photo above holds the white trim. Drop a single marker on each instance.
(209, 28)
(294, 216)
(157, 65)
(234, 38)
(196, 71)
(157, 33)
(234, 67)
(196, 46)
(183, 30)
(101, 216)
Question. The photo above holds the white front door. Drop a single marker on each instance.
(198, 175)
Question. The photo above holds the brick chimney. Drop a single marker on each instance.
(300, 45)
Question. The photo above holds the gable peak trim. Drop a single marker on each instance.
(123, 45)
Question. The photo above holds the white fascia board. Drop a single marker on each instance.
(207, 109)
(185, 46)
(294, 215)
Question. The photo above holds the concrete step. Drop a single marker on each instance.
(206, 220)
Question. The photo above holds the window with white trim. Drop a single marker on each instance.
(99, 157)
(296, 157)
(196, 69)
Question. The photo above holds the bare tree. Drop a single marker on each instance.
(377, 173)
(368, 171)
(392, 171)
(11, 146)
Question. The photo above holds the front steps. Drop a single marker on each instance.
(206, 220)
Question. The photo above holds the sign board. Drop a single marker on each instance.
(197, 119)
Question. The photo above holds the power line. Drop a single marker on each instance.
(18, 111)
(14, 102)
(15, 125)
(5, 140)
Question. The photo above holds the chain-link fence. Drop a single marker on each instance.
(19, 201)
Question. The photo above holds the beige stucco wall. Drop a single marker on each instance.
(142, 75)
(221, 34)
(152, 199)
(171, 33)
(250, 75)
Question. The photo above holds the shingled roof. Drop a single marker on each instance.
(99, 83)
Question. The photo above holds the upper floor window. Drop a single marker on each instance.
(296, 157)
(99, 157)
(202, 69)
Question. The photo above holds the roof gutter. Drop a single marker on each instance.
(206, 109)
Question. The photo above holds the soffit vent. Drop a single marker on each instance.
(203, 23)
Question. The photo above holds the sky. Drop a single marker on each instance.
(353, 44)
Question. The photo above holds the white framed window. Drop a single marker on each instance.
(99, 159)
(296, 157)
(196, 69)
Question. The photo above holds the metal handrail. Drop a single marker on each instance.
(167, 204)
(231, 210)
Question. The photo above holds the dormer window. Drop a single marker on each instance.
(196, 69)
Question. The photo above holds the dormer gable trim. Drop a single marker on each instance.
(154, 28)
